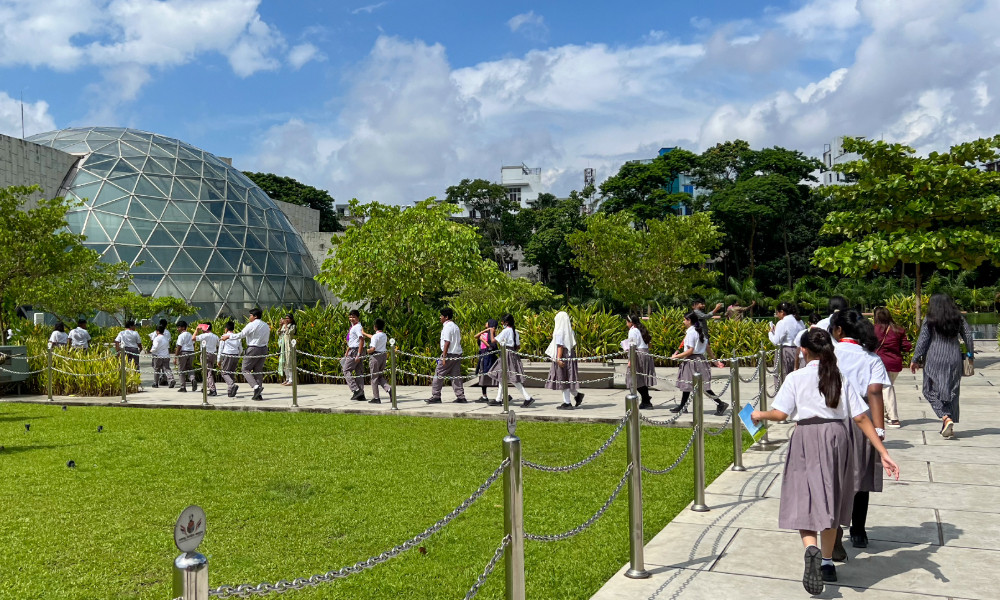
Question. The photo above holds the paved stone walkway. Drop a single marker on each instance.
(601, 405)
(933, 534)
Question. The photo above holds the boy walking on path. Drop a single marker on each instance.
(256, 333)
(184, 360)
(352, 363)
(161, 358)
(128, 342)
(450, 363)
(229, 358)
(79, 338)
(376, 364)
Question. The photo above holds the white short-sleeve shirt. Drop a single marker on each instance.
(186, 341)
(209, 340)
(128, 338)
(232, 347)
(508, 338)
(635, 337)
(160, 347)
(800, 398)
(58, 338)
(450, 333)
(378, 342)
(79, 338)
(692, 341)
(785, 331)
(354, 336)
(860, 367)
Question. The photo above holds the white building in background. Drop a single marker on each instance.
(523, 184)
(833, 154)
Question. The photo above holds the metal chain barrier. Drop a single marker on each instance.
(577, 383)
(589, 459)
(558, 537)
(71, 359)
(438, 357)
(330, 376)
(545, 357)
(684, 453)
(42, 370)
(724, 427)
(248, 590)
(669, 422)
(444, 377)
(85, 374)
(489, 568)
(722, 360)
(752, 377)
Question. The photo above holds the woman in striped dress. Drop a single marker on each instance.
(564, 372)
(939, 353)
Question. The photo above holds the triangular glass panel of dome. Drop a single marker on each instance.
(173, 213)
(214, 171)
(275, 242)
(147, 284)
(252, 283)
(218, 264)
(137, 210)
(127, 235)
(206, 292)
(94, 232)
(98, 248)
(210, 192)
(132, 135)
(195, 238)
(87, 191)
(250, 263)
(123, 168)
(204, 215)
(75, 219)
(295, 266)
(100, 135)
(188, 208)
(184, 264)
(295, 286)
(110, 256)
(99, 157)
(145, 187)
(77, 148)
(159, 151)
(200, 256)
(160, 237)
(253, 242)
(161, 182)
(267, 294)
(130, 149)
(109, 193)
(103, 147)
(118, 206)
(125, 183)
(211, 233)
(83, 178)
(179, 192)
(164, 141)
(156, 166)
(237, 189)
(233, 257)
(257, 198)
(136, 161)
(191, 184)
(167, 288)
(111, 223)
(226, 240)
(143, 228)
(185, 151)
(149, 263)
(101, 169)
(255, 217)
(231, 217)
(128, 254)
(275, 264)
(154, 205)
(188, 167)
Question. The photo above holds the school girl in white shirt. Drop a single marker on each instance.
(509, 341)
(693, 361)
(645, 367)
(58, 337)
(783, 335)
(564, 374)
(818, 480)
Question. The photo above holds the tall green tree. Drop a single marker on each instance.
(635, 265)
(289, 190)
(642, 188)
(902, 208)
(492, 212)
(399, 256)
(549, 224)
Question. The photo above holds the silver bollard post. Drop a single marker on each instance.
(293, 359)
(734, 382)
(637, 567)
(392, 376)
(190, 568)
(513, 513)
(48, 372)
(204, 376)
(503, 379)
(762, 380)
(123, 373)
(699, 445)
(633, 378)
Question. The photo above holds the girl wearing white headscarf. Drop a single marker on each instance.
(563, 374)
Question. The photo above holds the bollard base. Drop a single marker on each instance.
(739, 468)
(700, 508)
(635, 574)
(765, 446)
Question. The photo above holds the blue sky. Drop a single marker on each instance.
(396, 100)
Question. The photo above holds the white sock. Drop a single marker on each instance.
(499, 394)
(524, 392)
(827, 561)
(566, 398)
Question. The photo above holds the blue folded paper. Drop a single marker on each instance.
(752, 428)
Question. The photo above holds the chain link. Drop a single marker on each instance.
(571, 383)
(589, 459)
(444, 377)
(546, 357)
(21, 372)
(753, 377)
(438, 357)
(86, 374)
(71, 359)
(558, 537)
(724, 427)
(694, 430)
(643, 418)
(489, 569)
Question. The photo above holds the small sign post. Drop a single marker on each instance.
(190, 568)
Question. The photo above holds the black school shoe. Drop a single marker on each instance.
(645, 404)
(433, 401)
(565, 407)
(459, 401)
(258, 394)
(194, 386)
(720, 408)
(213, 393)
(528, 402)
(232, 392)
(374, 401)
(578, 398)
(859, 540)
(812, 580)
(828, 572)
(482, 400)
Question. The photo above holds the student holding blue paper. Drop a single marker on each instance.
(817, 488)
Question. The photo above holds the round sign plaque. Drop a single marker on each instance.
(190, 529)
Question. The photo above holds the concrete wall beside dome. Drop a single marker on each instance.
(24, 163)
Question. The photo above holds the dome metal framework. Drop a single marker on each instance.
(202, 230)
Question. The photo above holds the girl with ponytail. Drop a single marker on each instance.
(509, 341)
(865, 372)
(645, 369)
(692, 355)
(817, 487)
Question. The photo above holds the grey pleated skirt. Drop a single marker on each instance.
(569, 373)
(867, 462)
(817, 488)
(645, 374)
(695, 363)
(515, 369)
(789, 358)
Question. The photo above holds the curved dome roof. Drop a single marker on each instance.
(203, 231)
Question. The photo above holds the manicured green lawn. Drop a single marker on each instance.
(291, 495)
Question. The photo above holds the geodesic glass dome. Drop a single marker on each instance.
(202, 230)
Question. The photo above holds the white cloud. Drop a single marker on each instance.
(529, 24)
(919, 72)
(36, 116)
(301, 54)
(369, 9)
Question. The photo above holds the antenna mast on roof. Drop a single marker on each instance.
(22, 114)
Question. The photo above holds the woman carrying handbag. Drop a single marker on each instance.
(893, 343)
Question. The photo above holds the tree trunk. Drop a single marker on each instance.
(918, 295)
(753, 234)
